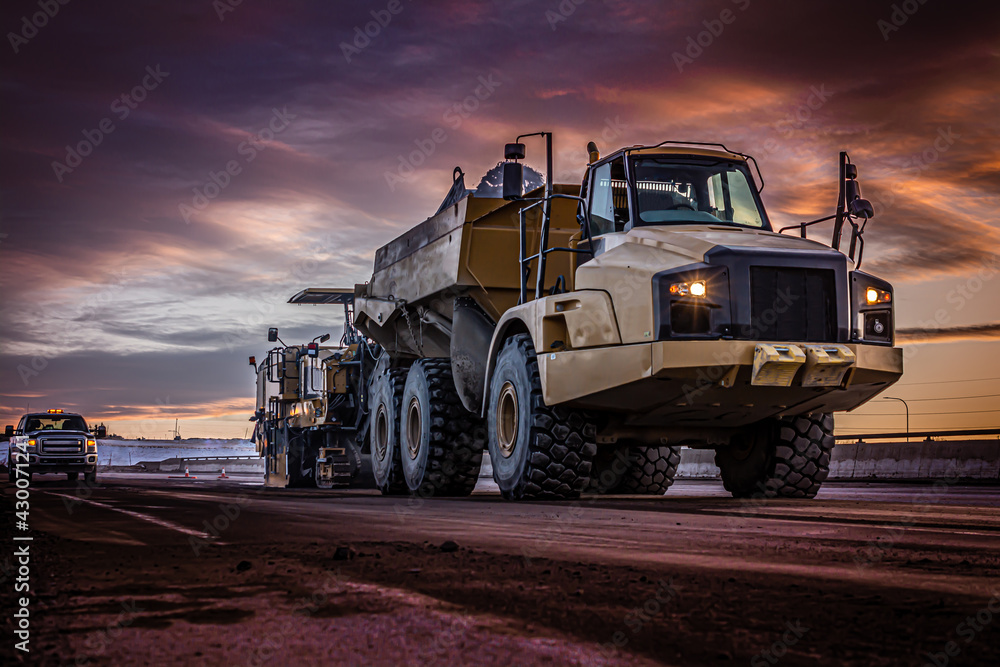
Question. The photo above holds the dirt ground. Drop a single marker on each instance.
(353, 578)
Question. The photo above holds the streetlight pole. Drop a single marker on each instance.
(893, 398)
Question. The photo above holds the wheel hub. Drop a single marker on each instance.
(414, 429)
(381, 432)
(507, 418)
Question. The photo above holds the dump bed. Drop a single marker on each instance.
(469, 249)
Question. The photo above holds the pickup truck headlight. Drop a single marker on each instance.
(91, 446)
(32, 443)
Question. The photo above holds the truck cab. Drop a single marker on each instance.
(53, 442)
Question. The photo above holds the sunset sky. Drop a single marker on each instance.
(137, 274)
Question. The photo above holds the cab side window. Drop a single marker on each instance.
(20, 427)
(609, 199)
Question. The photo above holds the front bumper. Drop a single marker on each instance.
(706, 383)
(40, 464)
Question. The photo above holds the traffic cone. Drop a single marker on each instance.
(223, 475)
(186, 475)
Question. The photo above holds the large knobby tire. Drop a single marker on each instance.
(441, 442)
(635, 468)
(787, 458)
(300, 462)
(386, 397)
(536, 451)
(651, 470)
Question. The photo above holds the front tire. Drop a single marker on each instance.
(72, 476)
(441, 442)
(787, 458)
(537, 451)
(90, 477)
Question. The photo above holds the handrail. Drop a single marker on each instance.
(543, 242)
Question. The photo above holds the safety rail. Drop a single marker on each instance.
(543, 242)
(218, 458)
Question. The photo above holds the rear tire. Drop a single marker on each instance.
(635, 469)
(537, 451)
(787, 458)
(441, 442)
(300, 465)
(651, 470)
(386, 397)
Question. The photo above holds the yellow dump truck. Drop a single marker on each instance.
(310, 403)
(584, 333)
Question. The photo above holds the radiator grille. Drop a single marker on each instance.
(792, 304)
(61, 446)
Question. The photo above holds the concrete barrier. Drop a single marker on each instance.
(953, 459)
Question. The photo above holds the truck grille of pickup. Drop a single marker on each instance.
(61, 446)
(792, 304)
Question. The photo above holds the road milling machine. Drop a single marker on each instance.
(310, 403)
(584, 333)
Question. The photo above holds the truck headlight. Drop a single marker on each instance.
(874, 295)
(91, 446)
(871, 309)
(696, 288)
(32, 443)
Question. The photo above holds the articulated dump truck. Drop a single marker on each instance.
(310, 403)
(583, 334)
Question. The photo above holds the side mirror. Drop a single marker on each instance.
(513, 180)
(253, 361)
(272, 335)
(862, 208)
(9, 430)
(324, 338)
(101, 432)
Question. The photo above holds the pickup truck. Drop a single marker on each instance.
(53, 441)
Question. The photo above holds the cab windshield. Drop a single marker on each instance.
(684, 190)
(54, 423)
